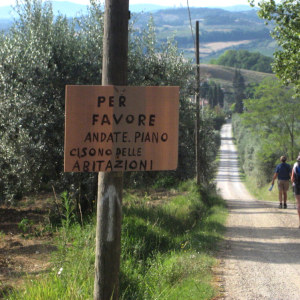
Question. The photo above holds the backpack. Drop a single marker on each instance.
(297, 174)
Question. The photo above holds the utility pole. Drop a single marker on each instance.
(197, 125)
(110, 185)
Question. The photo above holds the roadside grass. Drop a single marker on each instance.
(263, 193)
(168, 249)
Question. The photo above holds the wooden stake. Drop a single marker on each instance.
(110, 185)
(197, 125)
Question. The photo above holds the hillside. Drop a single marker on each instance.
(219, 30)
(70, 8)
(224, 75)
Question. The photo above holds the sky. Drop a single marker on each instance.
(194, 3)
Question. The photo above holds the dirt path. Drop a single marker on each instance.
(24, 251)
(261, 254)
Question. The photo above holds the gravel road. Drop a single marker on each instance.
(260, 258)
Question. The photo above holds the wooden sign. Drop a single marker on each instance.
(121, 128)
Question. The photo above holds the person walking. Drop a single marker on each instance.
(296, 183)
(283, 174)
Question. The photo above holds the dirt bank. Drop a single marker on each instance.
(24, 245)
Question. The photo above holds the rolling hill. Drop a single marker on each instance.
(220, 29)
(224, 75)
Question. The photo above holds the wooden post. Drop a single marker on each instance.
(197, 125)
(110, 185)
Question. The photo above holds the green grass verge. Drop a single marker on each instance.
(263, 193)
(168, 248)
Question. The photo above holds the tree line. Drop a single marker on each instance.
(243, 59)
(268, 123)
(285, 17)
(266, 126)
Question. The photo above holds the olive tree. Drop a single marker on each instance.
(42, 53)
(273, 115)
(38, 56)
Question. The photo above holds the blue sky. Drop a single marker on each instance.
(197, 3)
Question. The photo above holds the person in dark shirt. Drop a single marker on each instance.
(283, 174)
